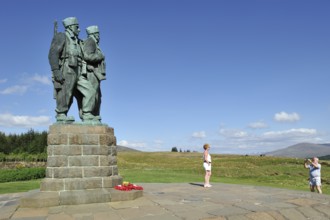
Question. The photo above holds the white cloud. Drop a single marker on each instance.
(27, 82)
(233, 133)
(199, 134)
(241, 142)
(3, 80)
(132, 144)
(299, 133)
(9, 120)
(41, 79)
(148, 146)
(285, 117)
(14, 90)
(259, 124)
(158, 142)
(123, 143)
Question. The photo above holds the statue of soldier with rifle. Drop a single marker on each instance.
(69, 74)
(95, 63)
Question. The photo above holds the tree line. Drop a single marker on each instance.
(175, 149)
(31, 142)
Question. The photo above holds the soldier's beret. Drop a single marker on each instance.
(70, 21)
(92, 29)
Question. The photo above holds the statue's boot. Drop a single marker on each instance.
(98, 118)
(62, 118)
(87, 116)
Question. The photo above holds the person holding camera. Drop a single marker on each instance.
(314, 174)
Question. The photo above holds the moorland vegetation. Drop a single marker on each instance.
(168, 167)
(22, 160)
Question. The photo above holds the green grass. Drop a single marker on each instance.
(22, 186)
(172, 167)
(169, 167)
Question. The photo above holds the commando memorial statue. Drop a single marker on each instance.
(81, 157)
(95, 65)
(77, 69)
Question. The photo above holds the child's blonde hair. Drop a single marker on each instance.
(206, 146)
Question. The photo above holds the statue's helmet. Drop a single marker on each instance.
(70, 21)
(92, 29)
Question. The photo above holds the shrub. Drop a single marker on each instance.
(2, 157)
(23, 157)
(22, 174)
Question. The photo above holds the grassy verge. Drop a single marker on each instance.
(142, 167)
(171, 167)
(22, 186)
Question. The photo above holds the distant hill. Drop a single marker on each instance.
(122, 149)
(302, 150)
(325, 157)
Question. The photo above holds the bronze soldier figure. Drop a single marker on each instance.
(66, 61)
(95, 65)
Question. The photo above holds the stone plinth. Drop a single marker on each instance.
(81, 166)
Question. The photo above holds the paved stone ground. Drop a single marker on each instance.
(189, 201)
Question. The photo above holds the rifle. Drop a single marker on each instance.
(55, 27)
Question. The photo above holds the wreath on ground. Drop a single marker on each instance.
(127, 186)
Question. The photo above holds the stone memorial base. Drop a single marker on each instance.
(39, 199)
(81, 168)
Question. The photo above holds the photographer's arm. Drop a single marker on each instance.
(306, 165)
(316, 165)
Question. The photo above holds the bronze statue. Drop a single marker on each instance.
(69, 74)
(95, 65)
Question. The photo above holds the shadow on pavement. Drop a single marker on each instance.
(197, 184)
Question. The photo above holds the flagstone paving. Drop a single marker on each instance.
(185, 201)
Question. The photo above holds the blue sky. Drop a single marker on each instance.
(246, 76)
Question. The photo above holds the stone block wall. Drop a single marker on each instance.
(81, 157)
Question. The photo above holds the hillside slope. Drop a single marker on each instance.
(124, 149)
(302, 150)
